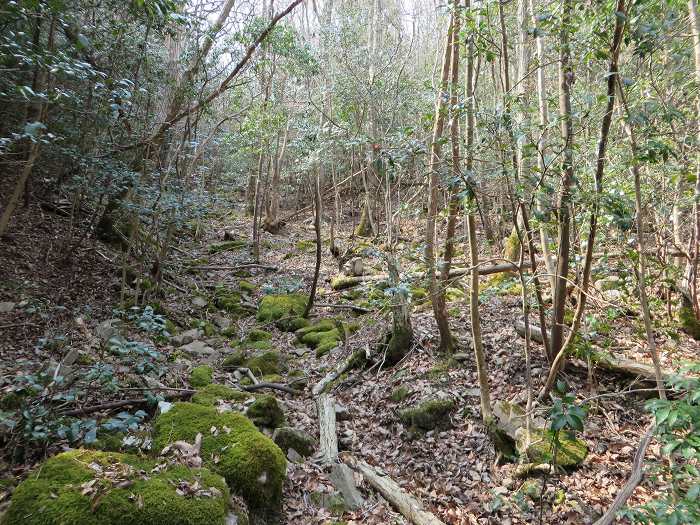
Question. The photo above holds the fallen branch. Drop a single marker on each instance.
(342, 282)
(345, 307)
(634, 479)
(237, 267)
(406, 504)
(124, 402)
(274, 386)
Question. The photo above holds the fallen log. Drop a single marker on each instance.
(341, 282)
(328, 439)
(604, 360)
(123, 403)
(273, 386)
(410, 507)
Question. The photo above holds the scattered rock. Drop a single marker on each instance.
(199, 301)
(198, 349)
(223, 323)
(342, 478)
(341, 412)
(294, 456)
(108, 329)
(288, 438)
(461, 357)
(186, 337)
(6, 307)
(428, 415)
(265, 411)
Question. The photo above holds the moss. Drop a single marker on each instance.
(292, 325)
(288, 437)
(272, 378)
(257, 345)
(227, 246)
(454, 294)
(235, 359)
(364, 228)
(246, 287)
(428, 415)
(323, 336)
(231, 332)
(342, 282)
(211, 394)
(305, 246)
(251, 463)
(281, 309)
(201, 376)
(400, 394)
(320, 326)
(264, 364)
(419, 295)
(689, 323)
(570, 452)
(511, 247)
(55, 494)
(208, 328)
(398, 343)
(265, 411)
(231, 302)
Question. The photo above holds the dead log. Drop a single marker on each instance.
(604, 360)
(328, 438)
(410, 507)
(341, 282)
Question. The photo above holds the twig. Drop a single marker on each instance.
(344, 306)
(122, 403)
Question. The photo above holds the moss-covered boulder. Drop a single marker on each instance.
(201, 376)
(292, 438)
(265, 411)
(282, 310)
(212, 394)
(541, 447)
(246, 287)
(87, 487)
(253, 466)
(323, 336)
(265, 364)
(227, 246)
(231, 302)
(428, 415)
(235, 359)
(259, 335)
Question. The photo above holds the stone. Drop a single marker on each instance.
(294, 456)
(6, 307)
(186, 337)
(288, 438)
(108, 329)
(342, 478)
(341, 412)
(200, 302)
(429, 415)
(461, 357)
(198, 349)
(223, 323)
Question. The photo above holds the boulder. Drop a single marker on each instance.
(253, 466)
(89, 487)
(6, 307)
(265, 411)
(292, 438)
(428, 415)
(283, 310)
(198, 349)
(186, 337)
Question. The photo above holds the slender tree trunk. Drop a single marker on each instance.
(317, 226)
(567, 177)
(694, 248)
(561, 349)
(437, 293)
(475, 320)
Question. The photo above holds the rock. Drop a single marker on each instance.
(282, 310)
(200, 302)
(291, 438)
(265, 411)
(214, 394)
(612, 295)
(461, 357)
(300, 351)
(198, 349)
(223, 323)
(6, 307)
(82, 486)
(341, 412)
(108, 329)
(428, 415)
(342, 478)
(234, 448)
(294, 456)
(186, 337)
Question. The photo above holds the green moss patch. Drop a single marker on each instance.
(246, 287)
(291, 438)
(282, 310)
(428, 415)
(570, 451)
(265, 364)
(210, 395)
(227, 246)
(265, 411)
(251, 463)
(230, 301)
(323, 336)
(201, 376)
(101, 488)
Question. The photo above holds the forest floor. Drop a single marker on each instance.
(50, 305)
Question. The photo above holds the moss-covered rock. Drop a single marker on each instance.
(259, 335)
(210, 395)
(201, 376)
(230, 301)
(88, 487)
(428, 415)
(256, 345)
(397, 344)
(281, 309)
(343, 282)
(323, 336)
(292, 325)
(251, 463)
(400, 394)
(235, 359)
(291, 438)
(265, 411)
(265, 364)
(570, 451)
(246, 287)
